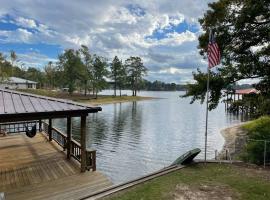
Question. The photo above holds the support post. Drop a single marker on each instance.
(83, 143)
(40, 125)
(69, 131)
(94, 161)
(50, 130)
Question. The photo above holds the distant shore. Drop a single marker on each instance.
(234, 140)
(111, 100)
(89, 98)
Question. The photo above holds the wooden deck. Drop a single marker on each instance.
(34, 168)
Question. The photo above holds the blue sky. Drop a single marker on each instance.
(163, 32)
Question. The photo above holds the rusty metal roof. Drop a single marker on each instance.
(247, 91)
(16, 105)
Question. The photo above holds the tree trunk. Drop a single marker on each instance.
(114, 87)
(120, 91)
(135, 88)
(85, 88)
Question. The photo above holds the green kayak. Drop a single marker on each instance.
(187, 157)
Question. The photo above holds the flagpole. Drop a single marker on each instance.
(206, 117)
(207, 102)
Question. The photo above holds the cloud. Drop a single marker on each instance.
(111, 28)
(24, 22)
(19, 35)
(35, 59)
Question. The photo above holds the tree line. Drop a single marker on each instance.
(161, 86)
(79, 69)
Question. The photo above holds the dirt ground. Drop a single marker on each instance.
(203, 192)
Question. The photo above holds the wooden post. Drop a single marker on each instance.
(50, 130)
(83, 143)
(40, 125)
(94, 161)
(69, 130)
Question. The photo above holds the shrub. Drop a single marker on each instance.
(258, 129)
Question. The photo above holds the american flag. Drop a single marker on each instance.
(213, 52)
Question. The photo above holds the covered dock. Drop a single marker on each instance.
(49, 165)
(234, 100)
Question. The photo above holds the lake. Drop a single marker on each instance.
(136, 138)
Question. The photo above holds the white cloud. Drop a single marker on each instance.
(24, 22)
(173, 70)
(176, 39)
(35, 59)
(20, 35)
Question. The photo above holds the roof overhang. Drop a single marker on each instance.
(16, 117)
(31, 107)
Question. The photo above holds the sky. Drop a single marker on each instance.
(164, 33)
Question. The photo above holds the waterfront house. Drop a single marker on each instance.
(18, 83)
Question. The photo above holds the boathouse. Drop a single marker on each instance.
(47, 164)
(234, 100)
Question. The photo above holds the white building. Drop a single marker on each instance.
(18, 83)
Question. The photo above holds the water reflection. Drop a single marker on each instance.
(136, 138)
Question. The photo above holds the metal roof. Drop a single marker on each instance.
(19, 80)
(16, 106)
(247, 91)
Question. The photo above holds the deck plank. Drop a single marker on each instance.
(33, 168)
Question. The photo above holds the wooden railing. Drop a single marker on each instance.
(17, 127)
(61, 139)
(76, 150)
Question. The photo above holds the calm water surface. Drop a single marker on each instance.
(136, 138)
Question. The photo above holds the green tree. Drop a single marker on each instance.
(88, 68)
(72, 66)
(34, 74)
(116, 67)
(136, 71)
(2, 74)
(122, 77)
(100, 71)
(13, 58)
(242, 33)
(50, 74)
(5, 68)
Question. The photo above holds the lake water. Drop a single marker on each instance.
(136, 138)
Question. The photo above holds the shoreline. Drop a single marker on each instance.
(124, 99)
(89, 98)
(235, 138)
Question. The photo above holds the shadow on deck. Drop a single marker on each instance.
(34, 168)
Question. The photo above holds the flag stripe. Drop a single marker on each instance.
(213, 53)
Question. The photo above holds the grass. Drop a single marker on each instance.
(214, 180)
(260, 125)
(90, 99)
(112, 99)
(258, 131)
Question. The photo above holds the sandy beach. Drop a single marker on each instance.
(235, 138)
